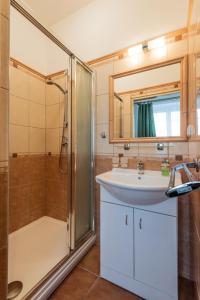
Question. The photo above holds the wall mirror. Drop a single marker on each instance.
(149, 103)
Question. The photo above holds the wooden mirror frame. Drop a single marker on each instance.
(193, 96)
(183, 103)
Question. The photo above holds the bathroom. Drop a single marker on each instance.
(99, 124)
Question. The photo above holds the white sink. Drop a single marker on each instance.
(129, 186)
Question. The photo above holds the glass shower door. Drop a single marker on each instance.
(82, 153)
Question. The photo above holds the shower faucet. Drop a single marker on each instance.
(190, 185)
(64, 140)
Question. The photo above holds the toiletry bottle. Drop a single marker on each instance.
(165, 168)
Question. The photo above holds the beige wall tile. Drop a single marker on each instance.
(102, 109)
(4, 124)
(150, 149)
(102, 81)
(62, 81)
(133, 151)
(37, 115)
(61, 113)
(194, 149)
(62, 97)
(178, 149)
(19, 111)
(102, 144)
(52, 116)
(19, 139)
(53, 140)
(37, 90)
(52, 94)
(4, 52)
(37, 140)
(19, 83)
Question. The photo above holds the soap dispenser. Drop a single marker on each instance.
(165, 167)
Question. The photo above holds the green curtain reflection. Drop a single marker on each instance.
(146, 124)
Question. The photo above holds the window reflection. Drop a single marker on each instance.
(164, 115)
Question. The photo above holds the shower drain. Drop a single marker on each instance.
(14, 289)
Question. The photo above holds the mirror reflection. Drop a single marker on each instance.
(148, 103)
(157, 116)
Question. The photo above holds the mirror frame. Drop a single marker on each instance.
(183, 102)
(193, 97)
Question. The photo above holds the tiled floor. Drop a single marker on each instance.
(84, 284)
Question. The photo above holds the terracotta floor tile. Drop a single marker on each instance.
(75, 286)
(91, 261)
(104, 290)
(83, 285)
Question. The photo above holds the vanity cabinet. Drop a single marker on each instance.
(139, 247)
(117, 238)
(155, 250)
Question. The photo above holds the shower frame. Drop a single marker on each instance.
(53, 279)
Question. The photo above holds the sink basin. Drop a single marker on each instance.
(128, 186)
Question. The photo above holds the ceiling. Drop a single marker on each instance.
(94, 28)
(50, 12)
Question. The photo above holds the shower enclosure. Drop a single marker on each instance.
(51, 173)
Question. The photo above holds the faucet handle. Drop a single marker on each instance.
(140, 164)
(140, 167)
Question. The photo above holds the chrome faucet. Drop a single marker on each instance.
(140, 167)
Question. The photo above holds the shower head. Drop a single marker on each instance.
(51, 82)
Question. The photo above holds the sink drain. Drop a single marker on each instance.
(14, 289)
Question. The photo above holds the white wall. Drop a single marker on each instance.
(31, 47)
(104, 26)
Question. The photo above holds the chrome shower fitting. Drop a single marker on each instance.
(64, 139)
(190, 185)
(51, 82)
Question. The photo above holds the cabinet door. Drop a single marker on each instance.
(117, 238)
(156, 250)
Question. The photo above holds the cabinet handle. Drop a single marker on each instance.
(140, 223)
(126, 220)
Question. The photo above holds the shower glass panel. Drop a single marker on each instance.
(39, 177)
(82, 196)
(50, 158)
